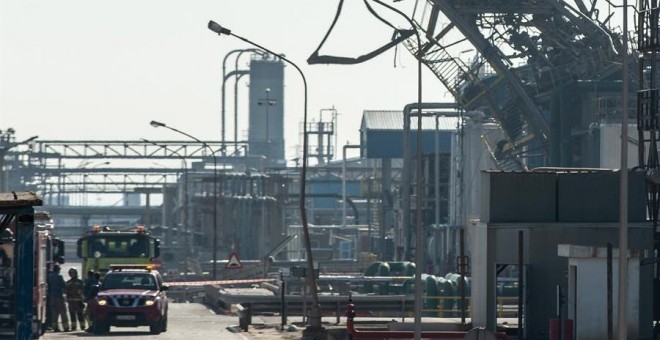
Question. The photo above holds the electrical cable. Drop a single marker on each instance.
(398, 37)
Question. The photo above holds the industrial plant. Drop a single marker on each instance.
(511, 207)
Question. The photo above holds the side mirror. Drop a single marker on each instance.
(59, 247)
(95, 290)
(157, 248)
(164, 288)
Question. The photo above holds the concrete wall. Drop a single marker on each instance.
(587, 291)
(546, 270)
(610, 146)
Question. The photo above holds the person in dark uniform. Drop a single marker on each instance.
(56, 286)
(90, 289)
(90, 280)
(74, 299)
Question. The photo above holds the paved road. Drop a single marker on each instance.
(186, 321)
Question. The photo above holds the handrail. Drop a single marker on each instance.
(350, 326)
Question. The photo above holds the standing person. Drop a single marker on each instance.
(48, 323)
(90, 281)
(90, 289)
(56, 286)
(74, 299)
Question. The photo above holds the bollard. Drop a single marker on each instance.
(248, 314)
(244, 316)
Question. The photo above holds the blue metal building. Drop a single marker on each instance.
(381, 134)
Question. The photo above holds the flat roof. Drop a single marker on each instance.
(19, 199)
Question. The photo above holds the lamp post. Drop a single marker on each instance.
(622, 321)
(215, 191)
(315, 314)
(184, 208)
(343, 183)
(418, 220)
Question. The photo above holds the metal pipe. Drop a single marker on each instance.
(623, 191)
(350, 326)
(283, 294)
(238, 77)
(315, 317)
(521, 272)
(566, 169)
(560, 335)
(437, 170)
(419, 263)
(407, 113)
(215, 190)
(610, 318)
(419, 227)
(224, 78)
(343, 182)
(184, 208)
(462, 272)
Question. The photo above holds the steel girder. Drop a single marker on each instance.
(526, 51)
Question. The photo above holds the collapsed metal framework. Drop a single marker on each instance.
(525, 51)
(647, 100)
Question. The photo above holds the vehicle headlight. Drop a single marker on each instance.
(102, 302)
(149, 302)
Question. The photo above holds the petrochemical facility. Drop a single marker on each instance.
(508, 196)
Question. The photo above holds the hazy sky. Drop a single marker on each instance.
(86, 69)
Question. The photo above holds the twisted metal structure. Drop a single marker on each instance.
(526, 53)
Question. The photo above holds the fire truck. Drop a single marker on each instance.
(102, 247)
(48, 250)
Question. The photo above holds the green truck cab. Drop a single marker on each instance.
(102, 247)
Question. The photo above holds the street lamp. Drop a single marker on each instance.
(418, 218)
(215, 191)
(315, 314)
(184, 205)
(622, 321)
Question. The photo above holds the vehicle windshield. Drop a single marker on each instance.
(119, 246)
(141, 281)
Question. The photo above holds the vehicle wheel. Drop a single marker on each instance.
(100, 328)
(163, 328)
(37, 330)
(156, 328)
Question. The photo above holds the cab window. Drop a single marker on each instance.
(130, 281)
